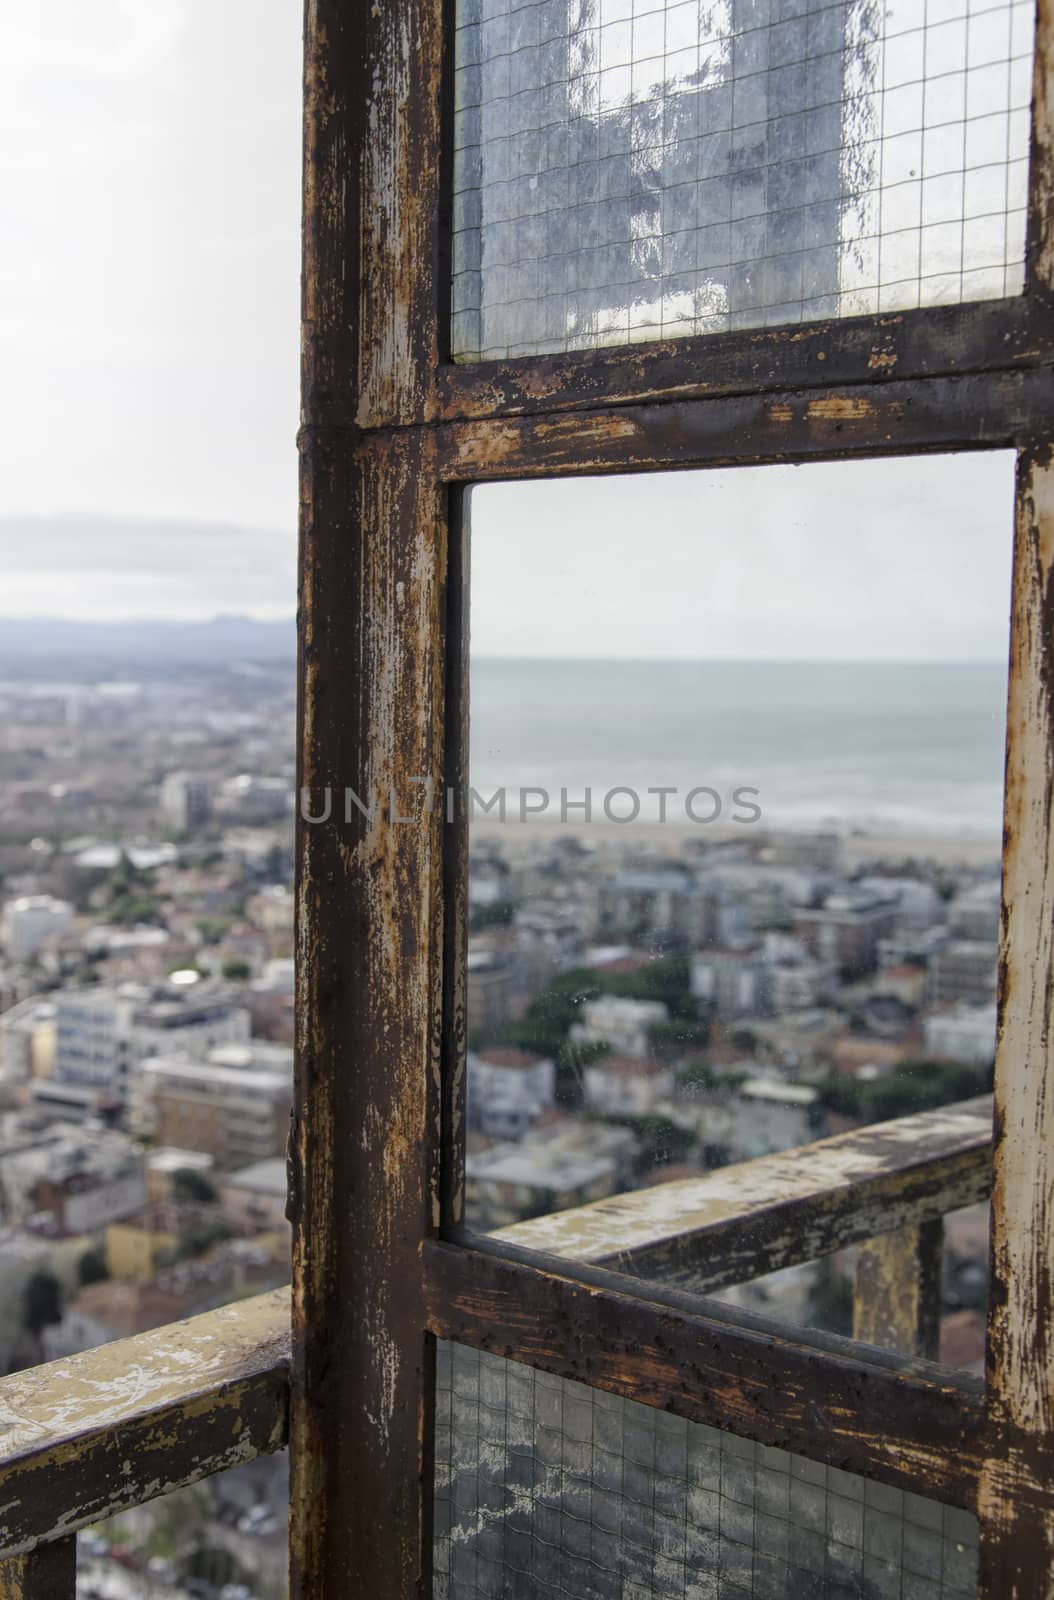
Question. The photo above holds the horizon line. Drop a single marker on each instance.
(559, 658)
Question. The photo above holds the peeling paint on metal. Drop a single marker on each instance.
(87, 1436)
(733, 1224)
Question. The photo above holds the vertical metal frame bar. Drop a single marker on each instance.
(47, 1573)
(1016, 1492)
(453, 1054)
(897, 1290)
(368, 951)
(364, 1138)
(1039, 253)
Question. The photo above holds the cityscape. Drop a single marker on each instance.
(644, 1003)
(663, 387)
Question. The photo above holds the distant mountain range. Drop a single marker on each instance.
(147, 642)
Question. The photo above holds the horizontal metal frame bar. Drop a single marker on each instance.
(934, 341)
(907, 1423)
(84, 1438)
(978, 412)
(735, 1224)
(982, 411)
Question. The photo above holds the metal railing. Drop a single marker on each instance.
(95, 1434)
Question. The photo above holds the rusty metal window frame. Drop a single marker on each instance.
(393, 432)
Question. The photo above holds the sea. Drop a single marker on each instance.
(889, 747)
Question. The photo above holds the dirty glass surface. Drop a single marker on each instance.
(546, 1488)
(630, 170)
(734, 821)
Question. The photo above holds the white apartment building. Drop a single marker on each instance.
(974, 914)
(919, 906)
(102, 1033)
(256, 1195)
(233, 1105)
(27, 922)
(621, 1023)
(27, 1040)
(508, 1089)
(85, 1178)
(734, 982)
(796, 983)
(566, 1163)
(626, 1086)
(184, 800)
(963, 1033)
(769, 1115)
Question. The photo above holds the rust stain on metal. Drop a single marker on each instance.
(842, 407)
(882, 360)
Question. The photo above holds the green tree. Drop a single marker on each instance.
(572, 1059)
(42, 1303)
(548, 1019)
(662, 1141)
(549, 1016)
(700, 1075)
(497, 915)
(672, 1039)
(668, 980)
(192, 1187)
(92, 1268)
(236, 969)
(911, 1086)
(274, 865)
(128, 909)
(831, 1299)
(696, 1075)
(204, 1236)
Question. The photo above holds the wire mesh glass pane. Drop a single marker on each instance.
(546, 1488)
(628, 170)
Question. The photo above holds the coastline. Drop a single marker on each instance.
(672, 839)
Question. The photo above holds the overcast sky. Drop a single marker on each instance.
(149, 300)
(896, 559)
(149, 152)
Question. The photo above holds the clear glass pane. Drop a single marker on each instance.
(735, 826)
(221, 1539)
(630, 171)
(546, 1488)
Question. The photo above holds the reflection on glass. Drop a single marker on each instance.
(635, 171)
(735, 858)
